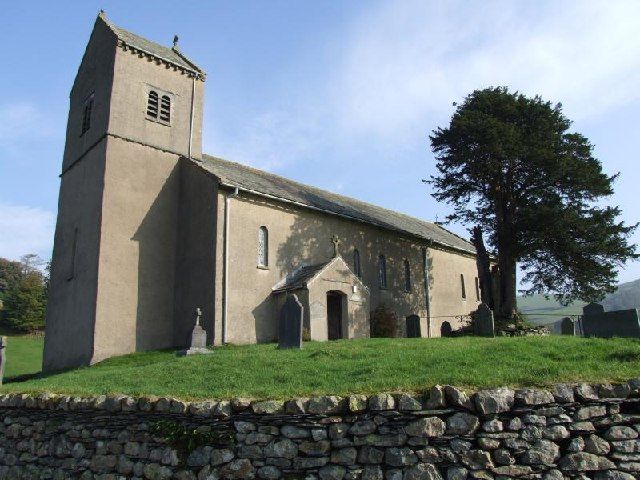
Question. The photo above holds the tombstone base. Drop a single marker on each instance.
(194, 351)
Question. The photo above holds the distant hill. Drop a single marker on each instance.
(541, 311)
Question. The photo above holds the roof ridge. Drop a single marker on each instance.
(257, 170)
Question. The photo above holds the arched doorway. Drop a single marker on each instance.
(335, 314)
(413, 326)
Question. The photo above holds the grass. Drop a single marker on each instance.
(351, 366)
(24, 354)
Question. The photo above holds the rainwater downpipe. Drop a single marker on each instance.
(193, 107)
(427, 281)
(225, 287)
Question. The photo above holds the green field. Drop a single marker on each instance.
(24, 355)
(350, 366)
(542, 311)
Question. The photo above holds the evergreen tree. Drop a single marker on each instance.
(511, 169)
(25, 304)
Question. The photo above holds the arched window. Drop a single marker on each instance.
(165, 109)
(407, 276)
(356, 263)
(152, 104)
(382, 271)
(86, 114)
(464, 292)
(263, 247)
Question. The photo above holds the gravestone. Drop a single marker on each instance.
(483, 325)
(592, 309)
(568, 326)
(3, 357)
(413, 326)
(198, 342)
(619, 323)
(290, 323)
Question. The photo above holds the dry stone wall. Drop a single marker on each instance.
(579, 431)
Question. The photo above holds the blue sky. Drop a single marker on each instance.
(341, 95)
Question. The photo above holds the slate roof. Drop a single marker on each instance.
(233, 175)
(300, 277)
(169, 54)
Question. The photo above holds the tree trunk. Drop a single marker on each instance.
(507, 271)
(484, 268)
(506, 258)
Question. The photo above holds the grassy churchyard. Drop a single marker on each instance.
(338, 367)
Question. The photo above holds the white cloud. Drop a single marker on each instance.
(20, 122)
(269, 141)
(25, 230)
(410, 59)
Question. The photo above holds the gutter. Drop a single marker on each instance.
(225, 285)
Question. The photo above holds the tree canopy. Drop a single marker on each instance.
(23, 290)
(510, 167)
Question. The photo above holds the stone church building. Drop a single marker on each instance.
(149, 228)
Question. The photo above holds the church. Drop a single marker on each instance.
(150, 228)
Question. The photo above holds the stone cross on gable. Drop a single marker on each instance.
(336, 243)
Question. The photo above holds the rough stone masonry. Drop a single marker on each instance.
(568, 431)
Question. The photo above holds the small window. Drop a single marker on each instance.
(464, 292)
(477, 289)
(263, 247)
(159, 106)
(86, 114)
(407, 276)
(382, 271)
(165, 109)
(152, 104)
(71, 272)
(356, 263)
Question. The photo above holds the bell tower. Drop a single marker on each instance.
(135, 110)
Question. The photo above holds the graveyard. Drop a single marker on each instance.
(341, 367)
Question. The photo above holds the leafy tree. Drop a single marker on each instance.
(10, 274)
(511, 168)
(24, 293)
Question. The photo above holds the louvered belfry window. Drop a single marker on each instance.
(165, 109)
(152, 104)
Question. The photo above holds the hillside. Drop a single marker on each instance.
(541, 311)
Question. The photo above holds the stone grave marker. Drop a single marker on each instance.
(198, 338)
(592, 309)
(483, 324)
(3, 356)
(290, 323)
(618, 323)
(568, 326)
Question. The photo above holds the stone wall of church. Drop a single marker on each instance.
(565, 432)
(298, 235)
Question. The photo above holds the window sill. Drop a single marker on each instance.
(156, 120)
(262, 267)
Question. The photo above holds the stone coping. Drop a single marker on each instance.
(438, 400)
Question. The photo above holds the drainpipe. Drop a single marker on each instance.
(193, 106)
(425, 262)
(225, 285)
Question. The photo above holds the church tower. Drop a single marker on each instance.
(135, 113)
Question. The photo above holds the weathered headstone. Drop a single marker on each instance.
(592, 309)
(290, 324)
(619, 323)
(198, 338)
(568, 326)
(483, 324)
(3, 356)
